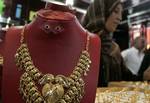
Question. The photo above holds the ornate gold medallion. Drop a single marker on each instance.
(55, 89)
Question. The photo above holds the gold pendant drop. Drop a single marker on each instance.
(52, 93)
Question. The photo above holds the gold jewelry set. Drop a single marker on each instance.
(122, 95)
(54, 89)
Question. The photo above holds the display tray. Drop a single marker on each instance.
(138, 84)
(132, 93)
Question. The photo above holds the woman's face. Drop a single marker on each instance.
(141, 43)
(114, 19)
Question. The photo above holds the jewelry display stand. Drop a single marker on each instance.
(55, 41)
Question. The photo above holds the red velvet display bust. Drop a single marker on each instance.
(55, 40)
(58, 7)
(65, 8)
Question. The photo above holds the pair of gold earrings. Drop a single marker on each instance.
(52, 29)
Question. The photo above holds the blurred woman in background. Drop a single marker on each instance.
(102, 18)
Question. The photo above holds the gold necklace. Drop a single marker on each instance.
(55, 89)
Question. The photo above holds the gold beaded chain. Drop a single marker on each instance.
(55, 89)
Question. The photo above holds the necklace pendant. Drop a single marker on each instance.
(52, 93)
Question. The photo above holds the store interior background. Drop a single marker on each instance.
(136, 16)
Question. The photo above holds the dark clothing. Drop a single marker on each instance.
(112, 67)
(145, 64)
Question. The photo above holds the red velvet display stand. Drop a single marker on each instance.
(55, 53)
(65, 8)
(58, 7)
